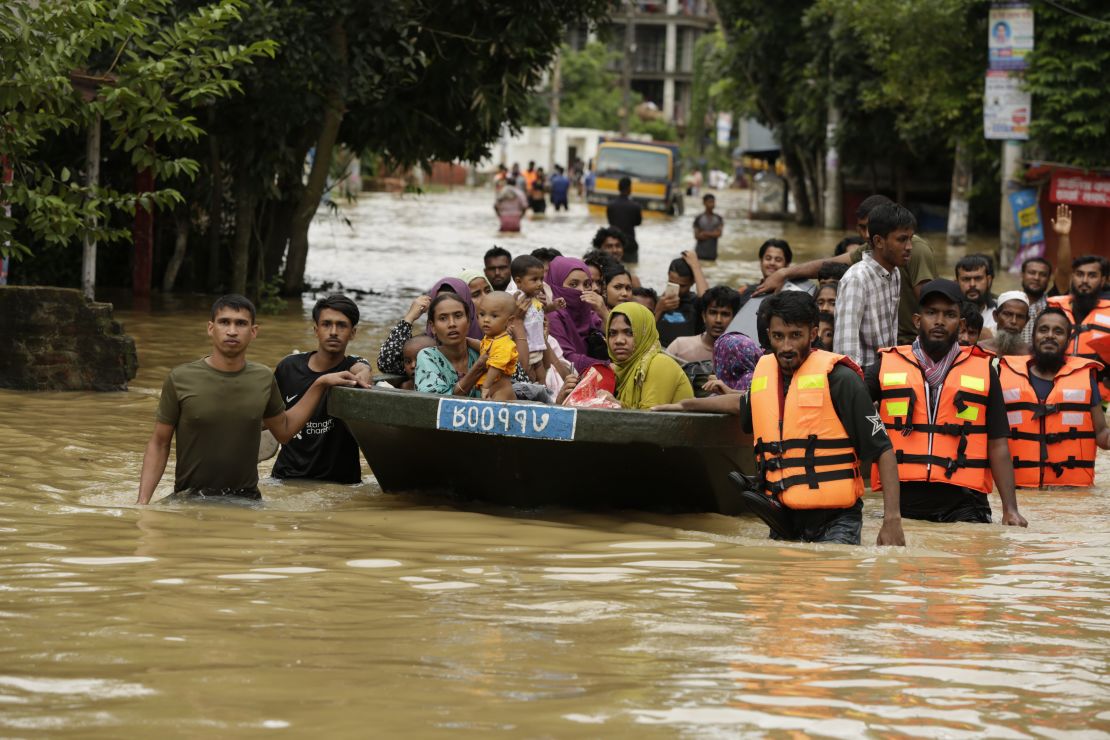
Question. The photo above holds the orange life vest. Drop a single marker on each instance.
(952, 448)
(803, 452)
(1094, 325)
(1052, 443)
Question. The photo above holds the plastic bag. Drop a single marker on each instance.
(587, 393)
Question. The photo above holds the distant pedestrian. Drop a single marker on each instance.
(536, 199)
(707, 229)
(626, 214)
(558, 186)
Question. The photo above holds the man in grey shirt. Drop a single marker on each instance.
(707, 229)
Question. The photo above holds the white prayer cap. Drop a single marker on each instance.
(1013, 295)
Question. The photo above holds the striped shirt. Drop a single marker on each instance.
(866, 311)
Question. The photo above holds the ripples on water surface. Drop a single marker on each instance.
(345, 612)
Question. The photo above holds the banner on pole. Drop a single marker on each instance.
(1010, 35)
(1007, 108)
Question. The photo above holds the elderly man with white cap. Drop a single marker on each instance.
(1011, 314)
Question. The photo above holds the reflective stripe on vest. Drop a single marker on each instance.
(804, 454)
(953, 447)
(1052, 443)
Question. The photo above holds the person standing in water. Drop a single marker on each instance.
(814, 428)
(216, 406)
(324, 449)
(626, 214)
(707, 229)
(1054, 408)
(943, 408)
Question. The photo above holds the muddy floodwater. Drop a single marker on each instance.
(342, 611)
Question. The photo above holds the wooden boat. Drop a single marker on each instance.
(532, 455)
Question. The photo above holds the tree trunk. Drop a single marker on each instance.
(958, 201)
(244, 222)
(215, 207)
(334, 108)
(833, 185)
(795, 177)
(180, 243)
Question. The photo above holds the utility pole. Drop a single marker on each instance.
(626, 66)
(958, 205)
(1008, 233)
(556, 89)
(92, 180)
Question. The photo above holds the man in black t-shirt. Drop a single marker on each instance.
(324, 449)
(626, 214)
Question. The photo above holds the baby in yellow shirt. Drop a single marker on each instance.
(495, 312)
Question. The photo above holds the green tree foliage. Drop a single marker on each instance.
(1068, 76)
(771, 62)
(149, 67)
(410, 82)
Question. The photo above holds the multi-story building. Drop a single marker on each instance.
(665, 32)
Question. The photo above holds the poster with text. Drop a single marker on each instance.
(1030, 227)
(1010, 35)
(1007, 108)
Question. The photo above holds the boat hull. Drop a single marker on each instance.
(612, 459)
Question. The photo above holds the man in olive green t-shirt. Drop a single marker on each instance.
(921, 269)
(217, 406)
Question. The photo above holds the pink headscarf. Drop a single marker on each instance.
(578, 311)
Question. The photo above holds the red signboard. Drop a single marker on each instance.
(1080, 190)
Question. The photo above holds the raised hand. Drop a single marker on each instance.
(418, 307)
(1062, 223)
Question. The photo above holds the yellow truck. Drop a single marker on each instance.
(654, 168)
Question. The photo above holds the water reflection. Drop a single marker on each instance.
(342, 611)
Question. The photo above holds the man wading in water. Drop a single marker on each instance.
(217, 406)
(325, 449)
(814, 427)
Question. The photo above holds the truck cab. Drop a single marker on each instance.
(654, 168)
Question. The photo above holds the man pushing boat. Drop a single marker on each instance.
(217, 406)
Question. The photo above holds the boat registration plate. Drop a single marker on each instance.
(531, 421)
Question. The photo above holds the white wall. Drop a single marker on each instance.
(533, 143)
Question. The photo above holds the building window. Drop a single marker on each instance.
(651, 44)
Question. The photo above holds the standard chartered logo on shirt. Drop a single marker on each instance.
(318, 427)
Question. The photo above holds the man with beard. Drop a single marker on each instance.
(975, 274)
(814, 426)
(1010, 317)
(943, 409)
(1054, 409)
(1036, 276)
(1088, 312)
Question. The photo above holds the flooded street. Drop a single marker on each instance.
(342, 611)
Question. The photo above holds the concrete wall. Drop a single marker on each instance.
(533, 143)
(55, 340)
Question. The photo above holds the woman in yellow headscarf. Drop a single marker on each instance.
(646, 376)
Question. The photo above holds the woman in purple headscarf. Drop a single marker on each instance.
(391, 356)
(577, 327)
(734, 359)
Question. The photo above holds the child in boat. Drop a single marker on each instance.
(410, 350)
(495, 312)
(528, 275)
